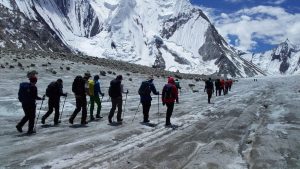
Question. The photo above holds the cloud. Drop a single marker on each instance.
(276, 2)
(233, 1)
(271, 25)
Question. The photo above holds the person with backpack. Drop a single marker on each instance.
(222, 84)
(115, 92)
(28, 95)
(177, 84)
(169, 95)
(218, 87)
(80, 88)
(145, 96)
(230, 84)
(209, 88)
(54, 91)
(94, 91)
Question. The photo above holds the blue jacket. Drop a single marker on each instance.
(97, 89)
(147, 98)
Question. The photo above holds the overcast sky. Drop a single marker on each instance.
(254, 25)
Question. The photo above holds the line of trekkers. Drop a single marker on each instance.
(82, 86)
(220, 85)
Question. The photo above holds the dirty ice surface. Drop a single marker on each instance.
(255, 126)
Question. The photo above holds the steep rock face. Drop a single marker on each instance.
(16, 31)
(284, 59)
(169, 34)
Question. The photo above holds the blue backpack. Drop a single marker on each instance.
(24, 91)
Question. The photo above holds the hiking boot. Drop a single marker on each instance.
(109, 120)
(146, 121)
(43, 120)
(120, 120)
(168, 124)
(92, 118)
(84, 122)
(31, 132)
(98, 116)
(56, 123)
(71, 121)
(19, 128)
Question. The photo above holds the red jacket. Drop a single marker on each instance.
(222, 82)
(166, 98)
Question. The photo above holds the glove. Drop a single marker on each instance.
(102, 94)
(164, 103)
(66, 94)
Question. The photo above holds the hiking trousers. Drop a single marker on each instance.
(93, 100)
(170, 108)
(146, 109)
(81, 103)
(53, 104)
(116, 102)
(29, 110)
(209, 94)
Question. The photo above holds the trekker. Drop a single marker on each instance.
(222, 82)
(226, 86)
(218, 87)
(94, 91)
(54, 91)
(230, 84)
(79, 87)
(145, 94)
(28, 95)
(115, 92)
(177, 84)
(169, 95)
(209, 88)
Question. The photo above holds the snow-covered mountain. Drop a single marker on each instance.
(284, 59)
(169, 34)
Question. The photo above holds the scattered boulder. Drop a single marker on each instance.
(44, 65)
(32, 65)
(102, 73)
(130, 79)
(61, 68)
(11, 67)
(20, 64)
(68, 68)
(2, 66)
(128, 74)
(114, 73)
(195, 91)
(191, 85)
(177, 76)
(15, 60)
(109, 72)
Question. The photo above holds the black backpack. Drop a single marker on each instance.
(168, 89)
(145, 88)
(114, 89)
(77, 85)
(24, 92)
(50, 91)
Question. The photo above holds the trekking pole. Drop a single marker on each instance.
(62, 110)
(125, 103)
(136, 112)
(34, 128)
(158, 108)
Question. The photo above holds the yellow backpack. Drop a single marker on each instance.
(91, 87)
